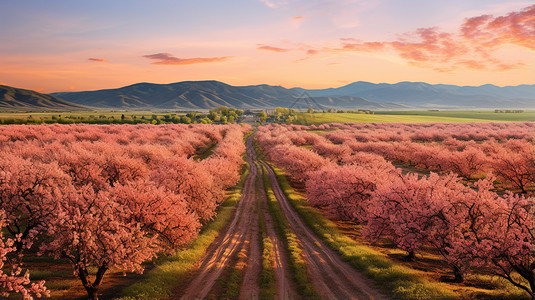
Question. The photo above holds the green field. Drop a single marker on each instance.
(94, 113)
(414, 117)
(91, 117)
(528, 115)
(220, 115)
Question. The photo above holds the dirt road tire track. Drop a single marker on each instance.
(224, 247)
(333, 278)
(283, 281)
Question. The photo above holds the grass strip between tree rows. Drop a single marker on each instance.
(399, 281)
(267, 274)
(231, 283)
(295, 252)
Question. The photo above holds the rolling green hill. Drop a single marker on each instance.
(14, 99)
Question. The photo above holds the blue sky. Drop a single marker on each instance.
(81, 45)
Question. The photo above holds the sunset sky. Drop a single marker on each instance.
(65, 45)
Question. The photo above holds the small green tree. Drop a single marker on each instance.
(262, 115)
(185, 120)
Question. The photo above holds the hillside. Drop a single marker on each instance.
(424, 95)
(12, 99)
(194, 95)
(207, 95)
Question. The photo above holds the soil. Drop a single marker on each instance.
(332, 277)
(239, 234)
(284, 284)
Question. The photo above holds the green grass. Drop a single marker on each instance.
(205, 152)
(90, 117)
(297, 263)
(267, 274)
(160, 282)
(412, 117)
(528, 115)
(58, 286)
(399, 281)
(232, 283)
(497, 287)
(45, 274)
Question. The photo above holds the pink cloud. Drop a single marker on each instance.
(514, 28)
(168, 59)
(298, 18)
(367, 46)
(271, 48)
(472, 47)
(97, 59)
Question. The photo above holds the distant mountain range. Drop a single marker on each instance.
(210, 94)
(424, 95)
(18, 99)
(198, 95)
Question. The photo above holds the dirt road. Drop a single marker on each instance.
(284, 284)
(332, 277)
(237, 235)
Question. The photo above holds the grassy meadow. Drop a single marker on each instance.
(91, 117)
(414, 117)
(527, 115)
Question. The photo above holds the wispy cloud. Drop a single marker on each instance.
(298, 18)
(273, 4)
(472, 47)
(97, 59)
(169, 59)
(271, 48)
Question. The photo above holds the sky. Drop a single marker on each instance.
(67, 45)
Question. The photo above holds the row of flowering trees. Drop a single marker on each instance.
(471, 227)
(112, 196)
(511, 157)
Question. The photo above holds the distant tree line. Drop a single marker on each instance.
(516, 111)
(287, 115)
(220, 115)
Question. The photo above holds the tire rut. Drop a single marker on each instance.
(222, 250)
(333, 278)
(283, 280)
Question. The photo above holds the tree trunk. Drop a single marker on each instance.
(92, 294)
(92, 288)
(531, 280)
(459, 276)
(410, 256)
